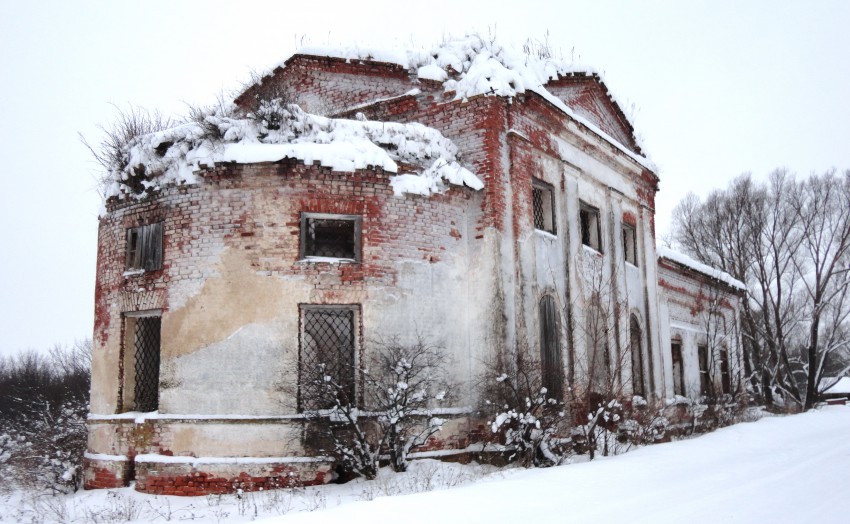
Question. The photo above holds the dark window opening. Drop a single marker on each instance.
(327, 361)
(543, 204)
(678, 368)
(725, 378)
(144, 247)
(589, 219)
(331, 236)
(637, 357)
(704, 376)
(146, 366)
(629, 244)
(550, 348)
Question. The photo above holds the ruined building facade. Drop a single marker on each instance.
(209, 293)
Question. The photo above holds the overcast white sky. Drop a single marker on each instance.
(720, 88)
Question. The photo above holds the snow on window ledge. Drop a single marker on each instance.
(591, 251)
(545, 234)
(327, 260)
(133, 272)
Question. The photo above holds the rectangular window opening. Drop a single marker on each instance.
(629, 244)
(330, 236)
(327, 363)
(543, 204)
(725, 377)
(678, 369)
(589, 219)
(144, 247)
(704, 376)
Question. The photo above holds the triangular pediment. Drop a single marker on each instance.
(587, 95)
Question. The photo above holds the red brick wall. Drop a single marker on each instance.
(339, 84)
(256, 210)
(589, 98)
(213, 479)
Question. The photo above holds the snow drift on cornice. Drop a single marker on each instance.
(474, 65)
(173, 156)
(699, 267)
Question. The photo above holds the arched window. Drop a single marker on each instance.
(598, 352)
(550, 348)
(637, 357)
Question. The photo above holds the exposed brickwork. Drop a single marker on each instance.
(104, 474)
(467, 264)
(212, 479)
(257, 209)
(329, 85)
(588, 96)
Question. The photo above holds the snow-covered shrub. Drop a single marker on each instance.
(402, 385)
(209, 118)
(703, 414)
(43, 408)
(527, 418)
(112, 153)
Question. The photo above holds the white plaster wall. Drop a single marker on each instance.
(682, 319)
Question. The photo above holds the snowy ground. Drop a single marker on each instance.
(779, 469)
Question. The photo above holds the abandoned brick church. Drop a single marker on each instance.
(483, 198)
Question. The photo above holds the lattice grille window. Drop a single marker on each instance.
(543, 207)
(146, 341)
(144, 247)
(330, 236)
(327, 362)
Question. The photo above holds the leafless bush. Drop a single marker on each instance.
(528, 419)
(401, 384)
(43, 408)
(208, 118)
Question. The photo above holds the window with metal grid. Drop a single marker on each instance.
(146, 343)
(327, 365)
(332, 236)
(543, 208)
(144, 247)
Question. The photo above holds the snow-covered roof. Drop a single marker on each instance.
(174, 156)
(840, 386)
(699, 267)
(474, 65)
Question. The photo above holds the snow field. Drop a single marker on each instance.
(776, 470)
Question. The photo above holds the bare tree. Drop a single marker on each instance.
(788, 240)
(821, 206)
